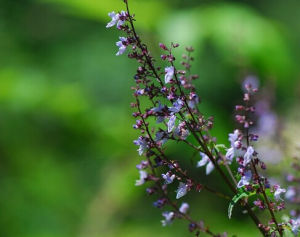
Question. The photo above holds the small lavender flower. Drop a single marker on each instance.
(144, 164)
(143, 176)
(168, 177)
(277, 193)
(171, 123)
(169, 74)
(230, 153)
(193, 100)
(177, 105)
(181, 131)
(248, 155)
(184, 208)
(234, 150)
(116, 18)
(233, 137)
(168, 218)
(142, 145)
(122, 19)
(205, 160)
(159, 108)
(122, 45)
(245, 180)
(295, 225)
(290, 194)
(161, 137)
(182, 190)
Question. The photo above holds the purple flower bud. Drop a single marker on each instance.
(260, 204)
(163, 57)
(163, 46)
(239, 107)
(160, 203)
(184, 208)
(182, 190)
(171, 123)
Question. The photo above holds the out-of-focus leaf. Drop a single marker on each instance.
(148, 12)
(241, 37)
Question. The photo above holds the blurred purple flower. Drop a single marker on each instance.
(168, 218)
(169, 74)
(205, 160)
(171, 123)
(245, 180)
(184, 208)
(122, 45)
(143, 176)
(248, 155)
(277, 193)
(168, 177)
(182, 190)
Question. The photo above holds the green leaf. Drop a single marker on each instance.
(220, 146)
(288, 233)
(234, 200)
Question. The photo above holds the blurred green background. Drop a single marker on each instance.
(67, 165)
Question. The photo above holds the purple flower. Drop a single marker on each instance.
(143, 176)
(184, 208)
(171, 123)
(193, 100)
(122, 45)
(122, 19)
(181, 131)
(230, 153)
(144, 164)
(169, 74)
(295, 225)
(182, 190)
(168, 177)
(233, 136)
(168, 218)
(277, 193)
(116, 18)
(234, 151)
(248, 155)
(161, 137)
(245, 180)
(141, 142)
(177, 105)
(290, 194)
(159, 108)
(205, 160)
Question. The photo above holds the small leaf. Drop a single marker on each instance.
(234, 200)
(220, 146)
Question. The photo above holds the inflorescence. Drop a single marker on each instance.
(167, 109)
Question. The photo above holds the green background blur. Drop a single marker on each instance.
(67, 161)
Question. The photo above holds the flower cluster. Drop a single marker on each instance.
(172, 113)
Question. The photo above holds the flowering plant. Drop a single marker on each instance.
(167, 109)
